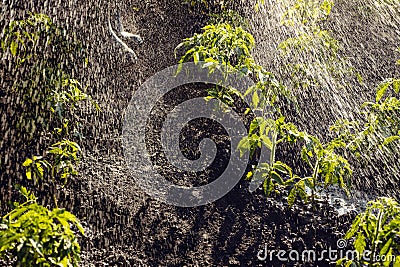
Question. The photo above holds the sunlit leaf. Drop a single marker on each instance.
(13, 48)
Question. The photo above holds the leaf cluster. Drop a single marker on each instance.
(381, 128)
(327, 167)
(227, 48)
(39, 51)
(376, 234)
(220, 45)
(62, 158)
(36, 236)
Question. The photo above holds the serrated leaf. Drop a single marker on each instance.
(253, 126)
(24, 191)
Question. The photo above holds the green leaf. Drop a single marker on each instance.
(27, 162)
(292, 196)
(360, 243)
(277, 178)
(23, 191)
(255, 99)
(282, 167)
(253, 126)
(249, 175)
(40, 170)
(390, 139)
(396, 86)
(382, 88)
(340, 261)
(268, 186)
(266, 141)
(397, 263)
(385, 249)
(13, 48)
(244, 146)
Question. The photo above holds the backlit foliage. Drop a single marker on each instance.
(35, 236)
(228, 49)
(376, 234)
(47, 101)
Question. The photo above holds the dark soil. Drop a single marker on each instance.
(124, 226)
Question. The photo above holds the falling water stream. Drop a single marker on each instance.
(339, 96)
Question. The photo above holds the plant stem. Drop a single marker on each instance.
(23, 204)
(314, 183)
(378, 226)
(273, 149)
(55, 200)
